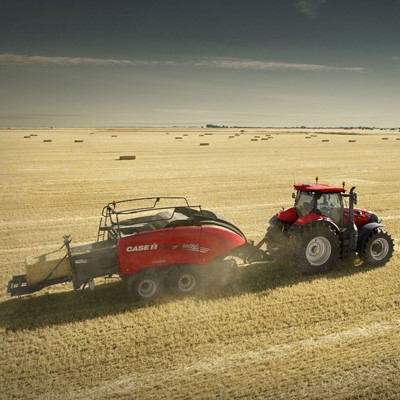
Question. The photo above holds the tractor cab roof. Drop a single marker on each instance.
(306, 187)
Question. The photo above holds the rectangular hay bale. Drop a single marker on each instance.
(127, 157)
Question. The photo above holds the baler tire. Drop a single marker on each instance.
(377, 248)
(315, 249)
(145, 286)
(184, 280)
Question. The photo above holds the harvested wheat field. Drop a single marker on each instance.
(272, 334)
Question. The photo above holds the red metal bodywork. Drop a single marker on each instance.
(287, 215)
(195, 245)
(361, 216)
(305, 187)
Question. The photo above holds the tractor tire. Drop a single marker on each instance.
(377, 248)
(184, 280)
(315, 249)
(277, 243)
(145, 286)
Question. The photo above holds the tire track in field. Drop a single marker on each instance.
(218, 365)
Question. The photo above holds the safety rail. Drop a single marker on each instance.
(113, 218)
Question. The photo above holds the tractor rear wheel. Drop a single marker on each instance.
(145, 286)
(276, 242)
(315, 249)
(377, 248)
(184, 280)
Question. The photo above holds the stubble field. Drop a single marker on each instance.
(270, 335)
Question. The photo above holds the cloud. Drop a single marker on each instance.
(212, 63)
(310, 7)
(46, 60)
(260, 65)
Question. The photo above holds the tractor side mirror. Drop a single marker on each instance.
(355, 198)
(293, 195)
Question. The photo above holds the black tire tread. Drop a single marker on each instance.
(299, 241)
(365, 254)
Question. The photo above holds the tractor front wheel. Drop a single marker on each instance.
(145, 286)
(315, 249)
(377, 248)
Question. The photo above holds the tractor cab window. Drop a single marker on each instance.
(304, 203)
(330, 205)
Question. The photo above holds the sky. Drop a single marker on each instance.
(272, 63)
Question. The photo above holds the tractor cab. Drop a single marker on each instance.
(320, 200)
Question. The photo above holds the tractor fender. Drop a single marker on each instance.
(364, 231)
(313, 219)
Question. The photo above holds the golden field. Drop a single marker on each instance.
(270, 335)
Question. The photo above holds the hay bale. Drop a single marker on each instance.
(257, 136)
(47, 140)
(204, 144)
(209, 134)
(308, 137)
(398, 138)
(178, 137)
(325, 140)
(91, 133)
(78, 141)
(264, 138)
(185, 134)
(33, 134)
(254, 140)
(385, 138)
(27, 137)
(352, 141)
(237, 134)
(114, 135)
(127, 157)
(41, 267)
(231, 137)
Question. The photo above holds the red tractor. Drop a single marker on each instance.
(321, 228)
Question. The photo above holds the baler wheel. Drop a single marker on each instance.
(184, 280)
(316, 249)
(145, 286)
(377, 248)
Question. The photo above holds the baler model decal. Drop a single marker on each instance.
(195, 247)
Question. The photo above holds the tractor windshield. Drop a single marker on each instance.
(330, 205)
(304, 203)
